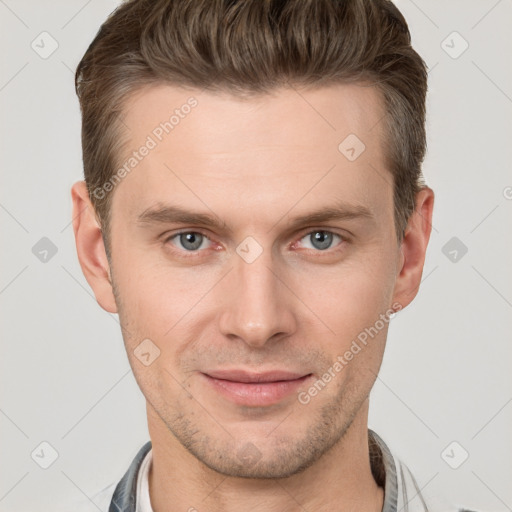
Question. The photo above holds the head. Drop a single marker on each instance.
(253, 201)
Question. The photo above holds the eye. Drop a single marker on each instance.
(320, 239)
(189, 240)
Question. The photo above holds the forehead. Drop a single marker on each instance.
(259, 152)
(291, 114)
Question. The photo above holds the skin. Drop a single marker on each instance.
(256, 165)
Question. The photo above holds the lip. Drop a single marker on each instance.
(255, 389)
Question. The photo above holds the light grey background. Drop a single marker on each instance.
(65, 377)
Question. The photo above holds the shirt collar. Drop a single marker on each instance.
(383, 467)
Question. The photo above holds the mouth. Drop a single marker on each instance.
(255, 389)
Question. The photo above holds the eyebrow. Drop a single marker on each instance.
(172, 214)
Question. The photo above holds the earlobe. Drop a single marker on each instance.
(413, 248)
(90, 248)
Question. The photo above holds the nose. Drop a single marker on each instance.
(258, 306)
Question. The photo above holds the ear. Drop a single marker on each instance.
(413, 248)
(90, 247)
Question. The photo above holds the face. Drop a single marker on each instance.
(251, 252)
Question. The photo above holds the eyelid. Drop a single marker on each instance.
(307, 231)
(166, 236)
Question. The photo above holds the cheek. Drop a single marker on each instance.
(170, 306)
(351, 297)
(152, 293)
(145, 304)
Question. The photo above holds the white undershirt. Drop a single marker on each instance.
(143, 501)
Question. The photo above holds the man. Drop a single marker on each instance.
(253, 209)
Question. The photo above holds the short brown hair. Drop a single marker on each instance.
(250, 47)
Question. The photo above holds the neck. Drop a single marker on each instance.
(340, 480)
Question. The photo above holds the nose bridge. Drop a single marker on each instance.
(257, 308)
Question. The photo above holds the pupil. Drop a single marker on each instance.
(322, 239)
(191, 240)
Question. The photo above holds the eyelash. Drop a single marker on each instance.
(192, 254)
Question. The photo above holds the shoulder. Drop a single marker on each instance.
(126, 492)
(402, 492)
(104, 497)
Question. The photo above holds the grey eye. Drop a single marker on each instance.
(320, 240)
(191, 241)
